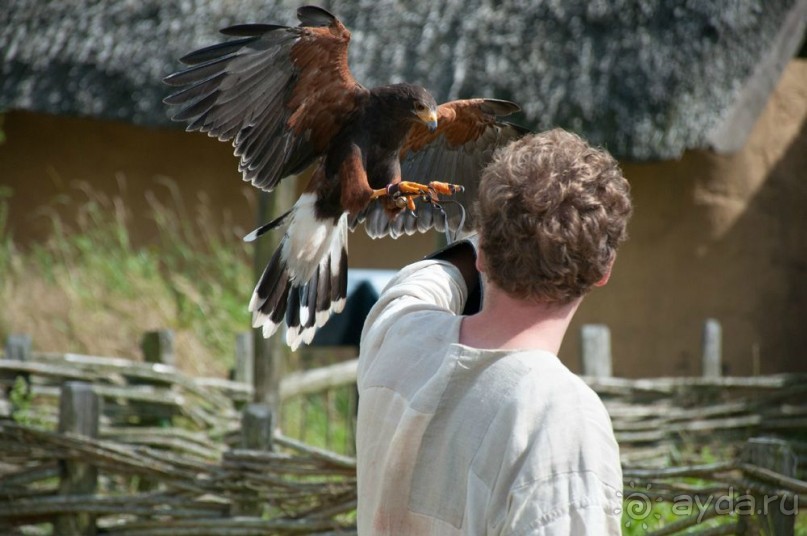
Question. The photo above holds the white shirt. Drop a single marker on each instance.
(456, 440)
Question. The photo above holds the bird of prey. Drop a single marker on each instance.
(286, 99)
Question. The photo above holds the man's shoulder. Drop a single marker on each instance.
(544, 372)
(564, 421)
(566, 400)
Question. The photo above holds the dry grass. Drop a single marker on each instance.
(88, 290)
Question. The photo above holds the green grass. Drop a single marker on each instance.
(323, 420)
(640, 518)
(88, 289)
(642, 513)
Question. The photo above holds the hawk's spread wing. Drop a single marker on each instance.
(467, 133)
(279, 93)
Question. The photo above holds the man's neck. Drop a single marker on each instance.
(509, 323)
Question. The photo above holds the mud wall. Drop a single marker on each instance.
(722, 236)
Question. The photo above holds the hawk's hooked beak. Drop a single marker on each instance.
(429, 118)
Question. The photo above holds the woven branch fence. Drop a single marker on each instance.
(656, 420)
(165, 454)
(168, 456)
(304, 489)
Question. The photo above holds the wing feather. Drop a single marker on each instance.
(249, 30)
(279, 93)
(219, 50)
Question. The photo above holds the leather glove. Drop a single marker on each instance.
(462, 254)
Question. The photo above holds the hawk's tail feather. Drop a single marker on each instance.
(268, 303)
(266, 227)
(311, 305)
(303, 288)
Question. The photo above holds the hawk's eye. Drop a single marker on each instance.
(419, 107)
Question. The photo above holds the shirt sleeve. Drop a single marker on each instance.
(428, 285)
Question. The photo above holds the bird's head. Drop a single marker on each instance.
(419, 102)
(408, 102)
(426, 112)
(425, 108)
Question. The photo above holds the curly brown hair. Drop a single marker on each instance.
(552, 211)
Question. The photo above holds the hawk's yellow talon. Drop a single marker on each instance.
(404, 193)
(445, 188)
(412, 188)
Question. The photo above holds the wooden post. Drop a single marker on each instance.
(158, 347)
(595, 350)
(18, 347)
(270, 354)
(712, 349)
(244, 358)
(79, 411)
(776, 513)
(268, 368)
(256, 427)
(256, 434)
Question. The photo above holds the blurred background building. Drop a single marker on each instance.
(704, 103)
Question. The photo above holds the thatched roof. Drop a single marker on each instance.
(646, 79)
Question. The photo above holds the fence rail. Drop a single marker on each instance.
(305, 489)
(163, 453)
(168, 452)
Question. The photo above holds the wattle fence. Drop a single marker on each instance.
(98, 445)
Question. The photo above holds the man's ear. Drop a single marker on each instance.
(480, 261)
(604, 280)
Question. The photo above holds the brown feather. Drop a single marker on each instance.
(325, 93)
(356, 191)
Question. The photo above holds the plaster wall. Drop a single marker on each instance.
(721, 236)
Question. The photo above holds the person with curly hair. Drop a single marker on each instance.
(469, 423)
